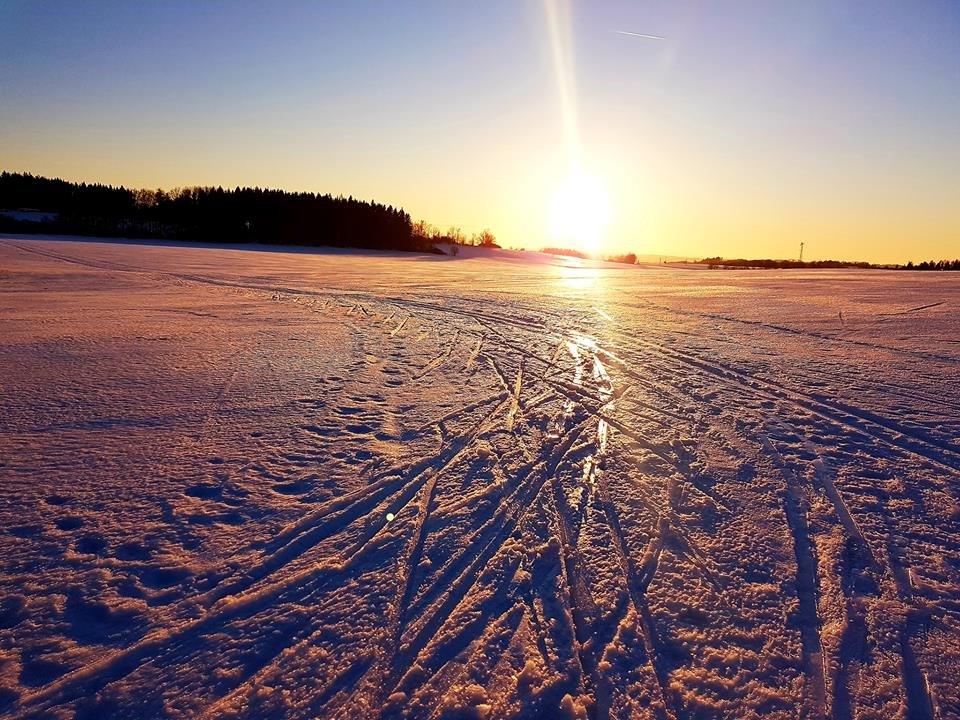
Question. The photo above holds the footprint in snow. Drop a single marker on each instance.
(133, 551)
(292, 488)
(69, 522)
(349, 410)
(91, 544)
(204, 491)
(39, 672)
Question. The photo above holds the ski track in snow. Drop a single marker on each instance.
(283, 484)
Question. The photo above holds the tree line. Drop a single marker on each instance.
(779, 264)
(210, 214)
(933, 265)
(453, 236)
(740, 263)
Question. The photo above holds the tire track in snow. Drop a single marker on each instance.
(796, 331)
(585, 614)
(473, 355)
(230, 600)
(515, 399)
(398, 328)
(806, 582)
(824, 477)
(395, 484)
(383, 502)
(636, 587)
(440, 359)
(859, 560)
(483, 545)
(832, 412)
(408, 569)
(469, 407)
(583, 610)
(861, 422)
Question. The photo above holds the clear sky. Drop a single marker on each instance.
(749, 127)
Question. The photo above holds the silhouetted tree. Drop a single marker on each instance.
(207, 213)
(485, 239)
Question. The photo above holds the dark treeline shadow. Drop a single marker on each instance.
(740, 263)
(33, 204)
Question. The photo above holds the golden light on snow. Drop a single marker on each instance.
(573, 277)
(636, 390)
(580, 213)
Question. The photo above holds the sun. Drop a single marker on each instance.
(580, 213)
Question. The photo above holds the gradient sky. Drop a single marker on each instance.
(751, 127)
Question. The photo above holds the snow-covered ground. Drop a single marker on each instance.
(333, 485)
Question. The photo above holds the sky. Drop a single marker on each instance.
(750, 127)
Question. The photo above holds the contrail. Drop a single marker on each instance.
(642, 35)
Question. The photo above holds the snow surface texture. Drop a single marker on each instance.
(305, 484)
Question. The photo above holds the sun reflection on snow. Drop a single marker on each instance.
(576, 277)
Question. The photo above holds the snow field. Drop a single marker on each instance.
(288, 484)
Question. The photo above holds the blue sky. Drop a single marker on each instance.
(751, 126)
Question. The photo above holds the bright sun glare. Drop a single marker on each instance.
(580, 213)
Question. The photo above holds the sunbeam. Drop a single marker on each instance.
(579, 211)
